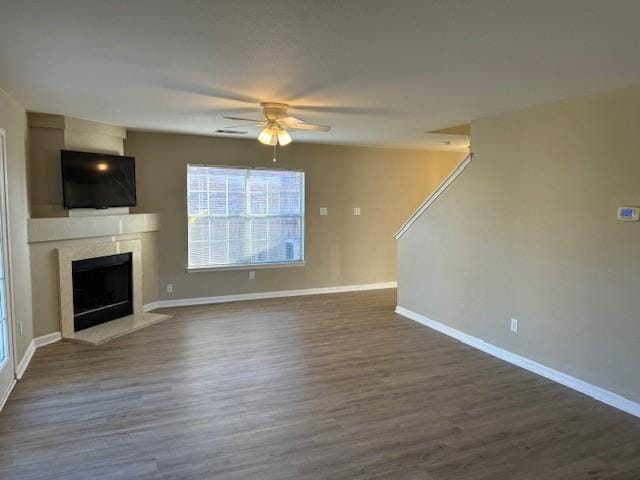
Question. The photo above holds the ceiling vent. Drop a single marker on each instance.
(230, 132)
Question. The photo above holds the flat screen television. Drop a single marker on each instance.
(96, 180)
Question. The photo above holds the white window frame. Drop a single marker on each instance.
(250, 266)
(9, 367)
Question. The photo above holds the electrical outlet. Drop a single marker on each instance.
(169, 287)
(629, 214)
(514, 325)
(324, 211)
(252, 275)
(356, 210)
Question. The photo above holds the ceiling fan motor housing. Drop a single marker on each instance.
(274, 110)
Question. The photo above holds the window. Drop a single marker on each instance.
(244, 217)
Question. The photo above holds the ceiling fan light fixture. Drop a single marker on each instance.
(275, 125)
(283, 137)
(268, 136)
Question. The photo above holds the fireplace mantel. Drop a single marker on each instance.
(69, 228)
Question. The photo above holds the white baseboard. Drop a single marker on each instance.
(26, 358)
(605, 396)
(5, 397)
(47, 339)
(150, 306)
(183, 302)
(31, 349)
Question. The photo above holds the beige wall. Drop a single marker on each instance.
(529, 231)
(340, 249)
(13, 120)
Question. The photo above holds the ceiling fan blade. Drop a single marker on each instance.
(297, 123)
(243, 119)
(242, 125)
(309, 126)
(290, 120)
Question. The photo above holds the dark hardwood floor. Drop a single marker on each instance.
(322, 387)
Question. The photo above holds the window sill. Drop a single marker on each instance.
(257, 266)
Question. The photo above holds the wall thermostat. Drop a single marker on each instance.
(629, 214)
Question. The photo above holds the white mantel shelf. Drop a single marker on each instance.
(69, 228)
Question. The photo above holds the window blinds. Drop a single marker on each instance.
(243, 216)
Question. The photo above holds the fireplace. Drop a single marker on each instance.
(90, 298)
(102, 289)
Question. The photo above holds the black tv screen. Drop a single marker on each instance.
(96, 180)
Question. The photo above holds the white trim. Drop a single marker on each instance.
(31, 349)
(47, 339)
(26, 359)
(6, 257)
(4, 399)
(434, 196)
(183, 302)
(98, 212)
(147, 307)
(604, 396)
(246, 266)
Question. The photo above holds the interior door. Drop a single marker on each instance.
(6, 347)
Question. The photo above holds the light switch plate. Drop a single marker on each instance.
(252, 275)
(514, 325)
(356, 210)
(324, 211)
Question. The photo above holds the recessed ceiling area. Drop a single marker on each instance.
(380, 73)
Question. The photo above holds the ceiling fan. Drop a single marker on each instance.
(276, 124)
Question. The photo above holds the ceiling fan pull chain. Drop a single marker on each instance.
(274, 151)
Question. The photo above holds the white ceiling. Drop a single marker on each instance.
(380, 72)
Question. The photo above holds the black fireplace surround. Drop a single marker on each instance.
(102, 290)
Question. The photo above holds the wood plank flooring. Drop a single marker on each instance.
(321, 387)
